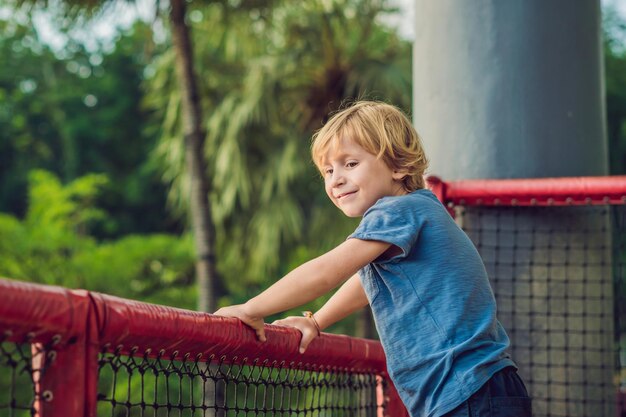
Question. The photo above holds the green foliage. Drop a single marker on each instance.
(54, 207)
(155, 268)
(76, 113)
(52, 245)
(269, 77)
(46, 240)
(26, 141)
(615, 76)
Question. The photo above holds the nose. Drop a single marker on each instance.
(332, 181)
(337, 179)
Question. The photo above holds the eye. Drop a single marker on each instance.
(328, 171)
(352, 164)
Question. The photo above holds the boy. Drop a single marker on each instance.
(427, 286)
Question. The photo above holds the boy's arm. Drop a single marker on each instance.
(307, 282)
(348, 299)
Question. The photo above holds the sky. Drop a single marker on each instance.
(101, 31)
(121, 15)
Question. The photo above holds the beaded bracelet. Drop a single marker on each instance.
(309, 314)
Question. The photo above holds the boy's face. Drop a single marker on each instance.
(355, 179)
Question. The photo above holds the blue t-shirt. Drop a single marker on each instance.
(432, 304)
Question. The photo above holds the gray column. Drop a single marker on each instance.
(514, 89)
(510, 89)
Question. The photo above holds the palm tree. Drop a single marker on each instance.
(269, 77)
(190, 112)
(200, 210)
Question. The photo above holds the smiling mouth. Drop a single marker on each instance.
(340, 196)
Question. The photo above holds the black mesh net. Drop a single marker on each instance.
(138, 385)
(558, 275)
(18, 374)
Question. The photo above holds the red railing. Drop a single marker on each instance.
(76, 326)
(531, 192)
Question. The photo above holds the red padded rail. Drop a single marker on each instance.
(82, 323)
(135, 326)
(57, 317)
(532, 192)
(42, 312)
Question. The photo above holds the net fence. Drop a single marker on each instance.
(146, 384)
(142, 385)
(19, 373)
(558, 276)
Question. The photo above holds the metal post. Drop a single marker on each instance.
(514, 89)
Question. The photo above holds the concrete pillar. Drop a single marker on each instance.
(514, 89)
(510, 89)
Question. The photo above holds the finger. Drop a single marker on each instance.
(305, 341)
(261, 334)
(283, 322)
(303, 345)
(222, 312)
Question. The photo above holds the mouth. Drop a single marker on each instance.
(342, 195)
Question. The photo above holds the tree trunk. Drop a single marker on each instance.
(201, 218)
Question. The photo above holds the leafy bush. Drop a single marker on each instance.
(53, 245)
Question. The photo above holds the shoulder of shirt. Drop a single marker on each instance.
(418, 197)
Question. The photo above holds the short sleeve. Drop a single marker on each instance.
(394, 220)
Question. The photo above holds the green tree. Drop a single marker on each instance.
(27, 137)
(200, 211)
(268, 79)
(77, 113)
(51, 245)
(615, 76)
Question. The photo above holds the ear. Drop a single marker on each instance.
(399, 175)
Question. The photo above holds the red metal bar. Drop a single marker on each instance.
(55, 320)
(37, 312)
(532, 192)
(83, 323)
(131, 325)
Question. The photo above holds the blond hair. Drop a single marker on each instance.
(382, 130)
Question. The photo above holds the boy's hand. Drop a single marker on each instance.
(306, 327)
(239, 311)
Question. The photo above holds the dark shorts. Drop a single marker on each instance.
(504, 395)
